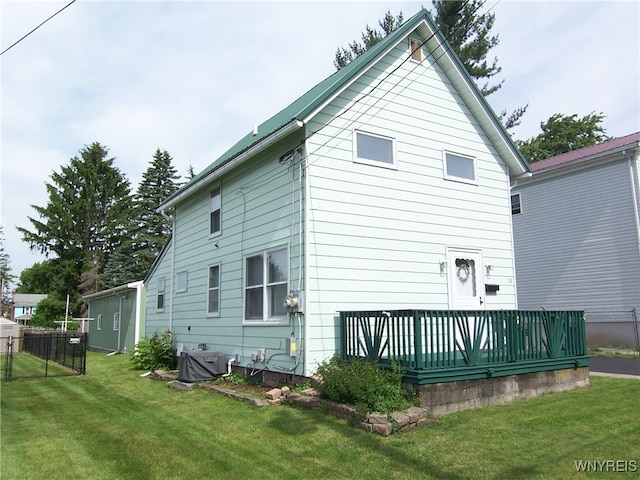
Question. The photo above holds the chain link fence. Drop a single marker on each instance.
(617, 330)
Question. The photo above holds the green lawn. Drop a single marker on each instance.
(111, 424)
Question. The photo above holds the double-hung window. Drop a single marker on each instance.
(213, 300)
(374, 150)
(516, 205)
(181, 282)
(460, 168)
(266, 282)
(160, 297)
(215, 218)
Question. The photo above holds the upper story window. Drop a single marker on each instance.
(214, 212)
(516, 206)
(213, 300)
(460, 168)
(375, 150)
(160, 297)
(266, 283)
(181, 282)
(415, 47)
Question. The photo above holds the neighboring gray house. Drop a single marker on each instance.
(385, 186)
(25, 306)
(577, 230)
(116, 318)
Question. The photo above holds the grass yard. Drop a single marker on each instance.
(26, 365)
(111, 424)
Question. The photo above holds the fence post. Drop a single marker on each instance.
(635, 326)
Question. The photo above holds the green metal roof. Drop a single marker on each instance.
(305, 105)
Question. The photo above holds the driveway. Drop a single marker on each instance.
(615, 365)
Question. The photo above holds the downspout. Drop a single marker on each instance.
(138, 314)
(173, 264)
(119, 322)
(634, 193)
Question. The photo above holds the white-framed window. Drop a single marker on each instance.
(213, 291)
(516, 205)
(160, 297)
(116, 321)
(99, 322)
(215, 217)
(181, 282)
(461, 168)
(415, 49)
(374, 149)
(266, 286)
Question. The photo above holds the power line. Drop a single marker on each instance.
(25, 36)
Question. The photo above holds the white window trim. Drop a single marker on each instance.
(186, 280)
(218, 232)
(209, 267)
(453, 178)
(116, 321)
(519, 203)
(266, 320)
(161, 292)
(375, 163)
(99, 322)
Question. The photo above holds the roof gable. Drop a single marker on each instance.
(302, 110)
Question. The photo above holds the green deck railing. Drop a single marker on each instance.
(446, 345)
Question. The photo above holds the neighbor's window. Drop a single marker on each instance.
(214, 212)
(116, 321)
(266, 281)
(160, 299)
(459, 167)
(516, 206)
(416, 50)
(374, 149)
(181, 282)
(99, 322)
(214, 290)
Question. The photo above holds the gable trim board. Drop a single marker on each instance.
(357, 235)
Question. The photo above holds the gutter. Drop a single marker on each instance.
(241, 157)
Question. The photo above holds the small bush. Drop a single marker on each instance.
(363, 384)
(155, 353)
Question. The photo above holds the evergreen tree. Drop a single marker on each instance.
(149, 230)
(6, 278)
(562, 134)
(85, 218)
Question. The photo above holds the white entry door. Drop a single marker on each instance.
(466, 284)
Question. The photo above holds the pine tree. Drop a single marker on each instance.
(85, 218)
(149, 230)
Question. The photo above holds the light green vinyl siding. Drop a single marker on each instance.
(260, 210)
(107, 338)
(377, 234)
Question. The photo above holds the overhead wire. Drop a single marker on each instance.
(446, 46)
(36, 28)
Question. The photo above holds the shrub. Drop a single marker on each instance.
(155, 353)
(366, 385)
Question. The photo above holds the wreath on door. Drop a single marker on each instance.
(463, 270)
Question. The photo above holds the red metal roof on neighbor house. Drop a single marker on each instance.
(632, 140)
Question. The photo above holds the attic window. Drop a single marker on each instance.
(460, 168)
(374, 150)
(415, 47)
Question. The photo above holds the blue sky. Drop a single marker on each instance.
(192, 77)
